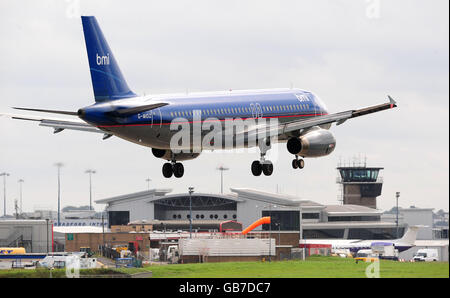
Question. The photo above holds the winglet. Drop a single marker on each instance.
(392, 102)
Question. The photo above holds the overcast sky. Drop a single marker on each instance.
(352, 53)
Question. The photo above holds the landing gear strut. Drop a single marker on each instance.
(263, 165)
(173, 168)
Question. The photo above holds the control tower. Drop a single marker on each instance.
(361, 185)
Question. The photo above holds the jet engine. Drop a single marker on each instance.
(315, 142)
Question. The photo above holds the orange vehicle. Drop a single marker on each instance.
(366, 255)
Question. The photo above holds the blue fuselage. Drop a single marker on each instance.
(151, 128)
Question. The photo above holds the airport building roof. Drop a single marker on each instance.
(271, 198)
(348, 224)
(147, 194)
(237, 195)
(346, 210)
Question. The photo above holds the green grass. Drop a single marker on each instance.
(314, 267)
(56, 273)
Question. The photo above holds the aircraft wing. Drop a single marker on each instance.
(58, 124)
(299, 125)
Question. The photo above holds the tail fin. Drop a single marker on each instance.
(410, 236)
(107, 79)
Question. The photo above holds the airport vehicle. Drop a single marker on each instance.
(133, 247)
(366, 255)
(119, 248)
(343, 253)
(173, 255)
(178, 127)
(87, 250)
(385, 251)
(61, 261)
(125, 253)
(402, 244)
(12, 251)
(128, 262)
(426, 255)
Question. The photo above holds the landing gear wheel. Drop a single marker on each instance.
(256, 168)
(178, 170)
(298, 163)
(267, 168)
(167, 170)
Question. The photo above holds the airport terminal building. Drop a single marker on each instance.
(313, 220)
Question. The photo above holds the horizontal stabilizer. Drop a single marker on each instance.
(48, 111)
(134, 110)
(58, 125)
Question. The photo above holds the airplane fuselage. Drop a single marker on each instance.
(152, 128)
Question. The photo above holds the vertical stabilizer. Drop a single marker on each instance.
(410, 236)
(107, 79)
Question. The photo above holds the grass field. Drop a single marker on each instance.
(314, 267)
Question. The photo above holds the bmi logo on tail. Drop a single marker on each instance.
(103, 60)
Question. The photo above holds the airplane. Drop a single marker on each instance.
(402, 244)
(293, 116)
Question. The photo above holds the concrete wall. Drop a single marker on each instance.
(33, 233)
(248, 212)
(139, 209)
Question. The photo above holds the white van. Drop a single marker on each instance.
(426, 255)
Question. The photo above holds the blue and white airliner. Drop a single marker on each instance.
(302, 120)
(402, 244)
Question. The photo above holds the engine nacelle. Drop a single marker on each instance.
(315, 143)
(168, 155)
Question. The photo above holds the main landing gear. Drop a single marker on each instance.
(262, 165)
(259, 167)
(298, 163)
(173, 168)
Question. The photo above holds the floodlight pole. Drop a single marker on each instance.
(20, 189)
(90, 172)
(221, 169)
(191, 190)
(397, 195)
(270, 233)
(46, 231)
(301, 233)
(4, 174)
(59, 165)
(148, 183)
